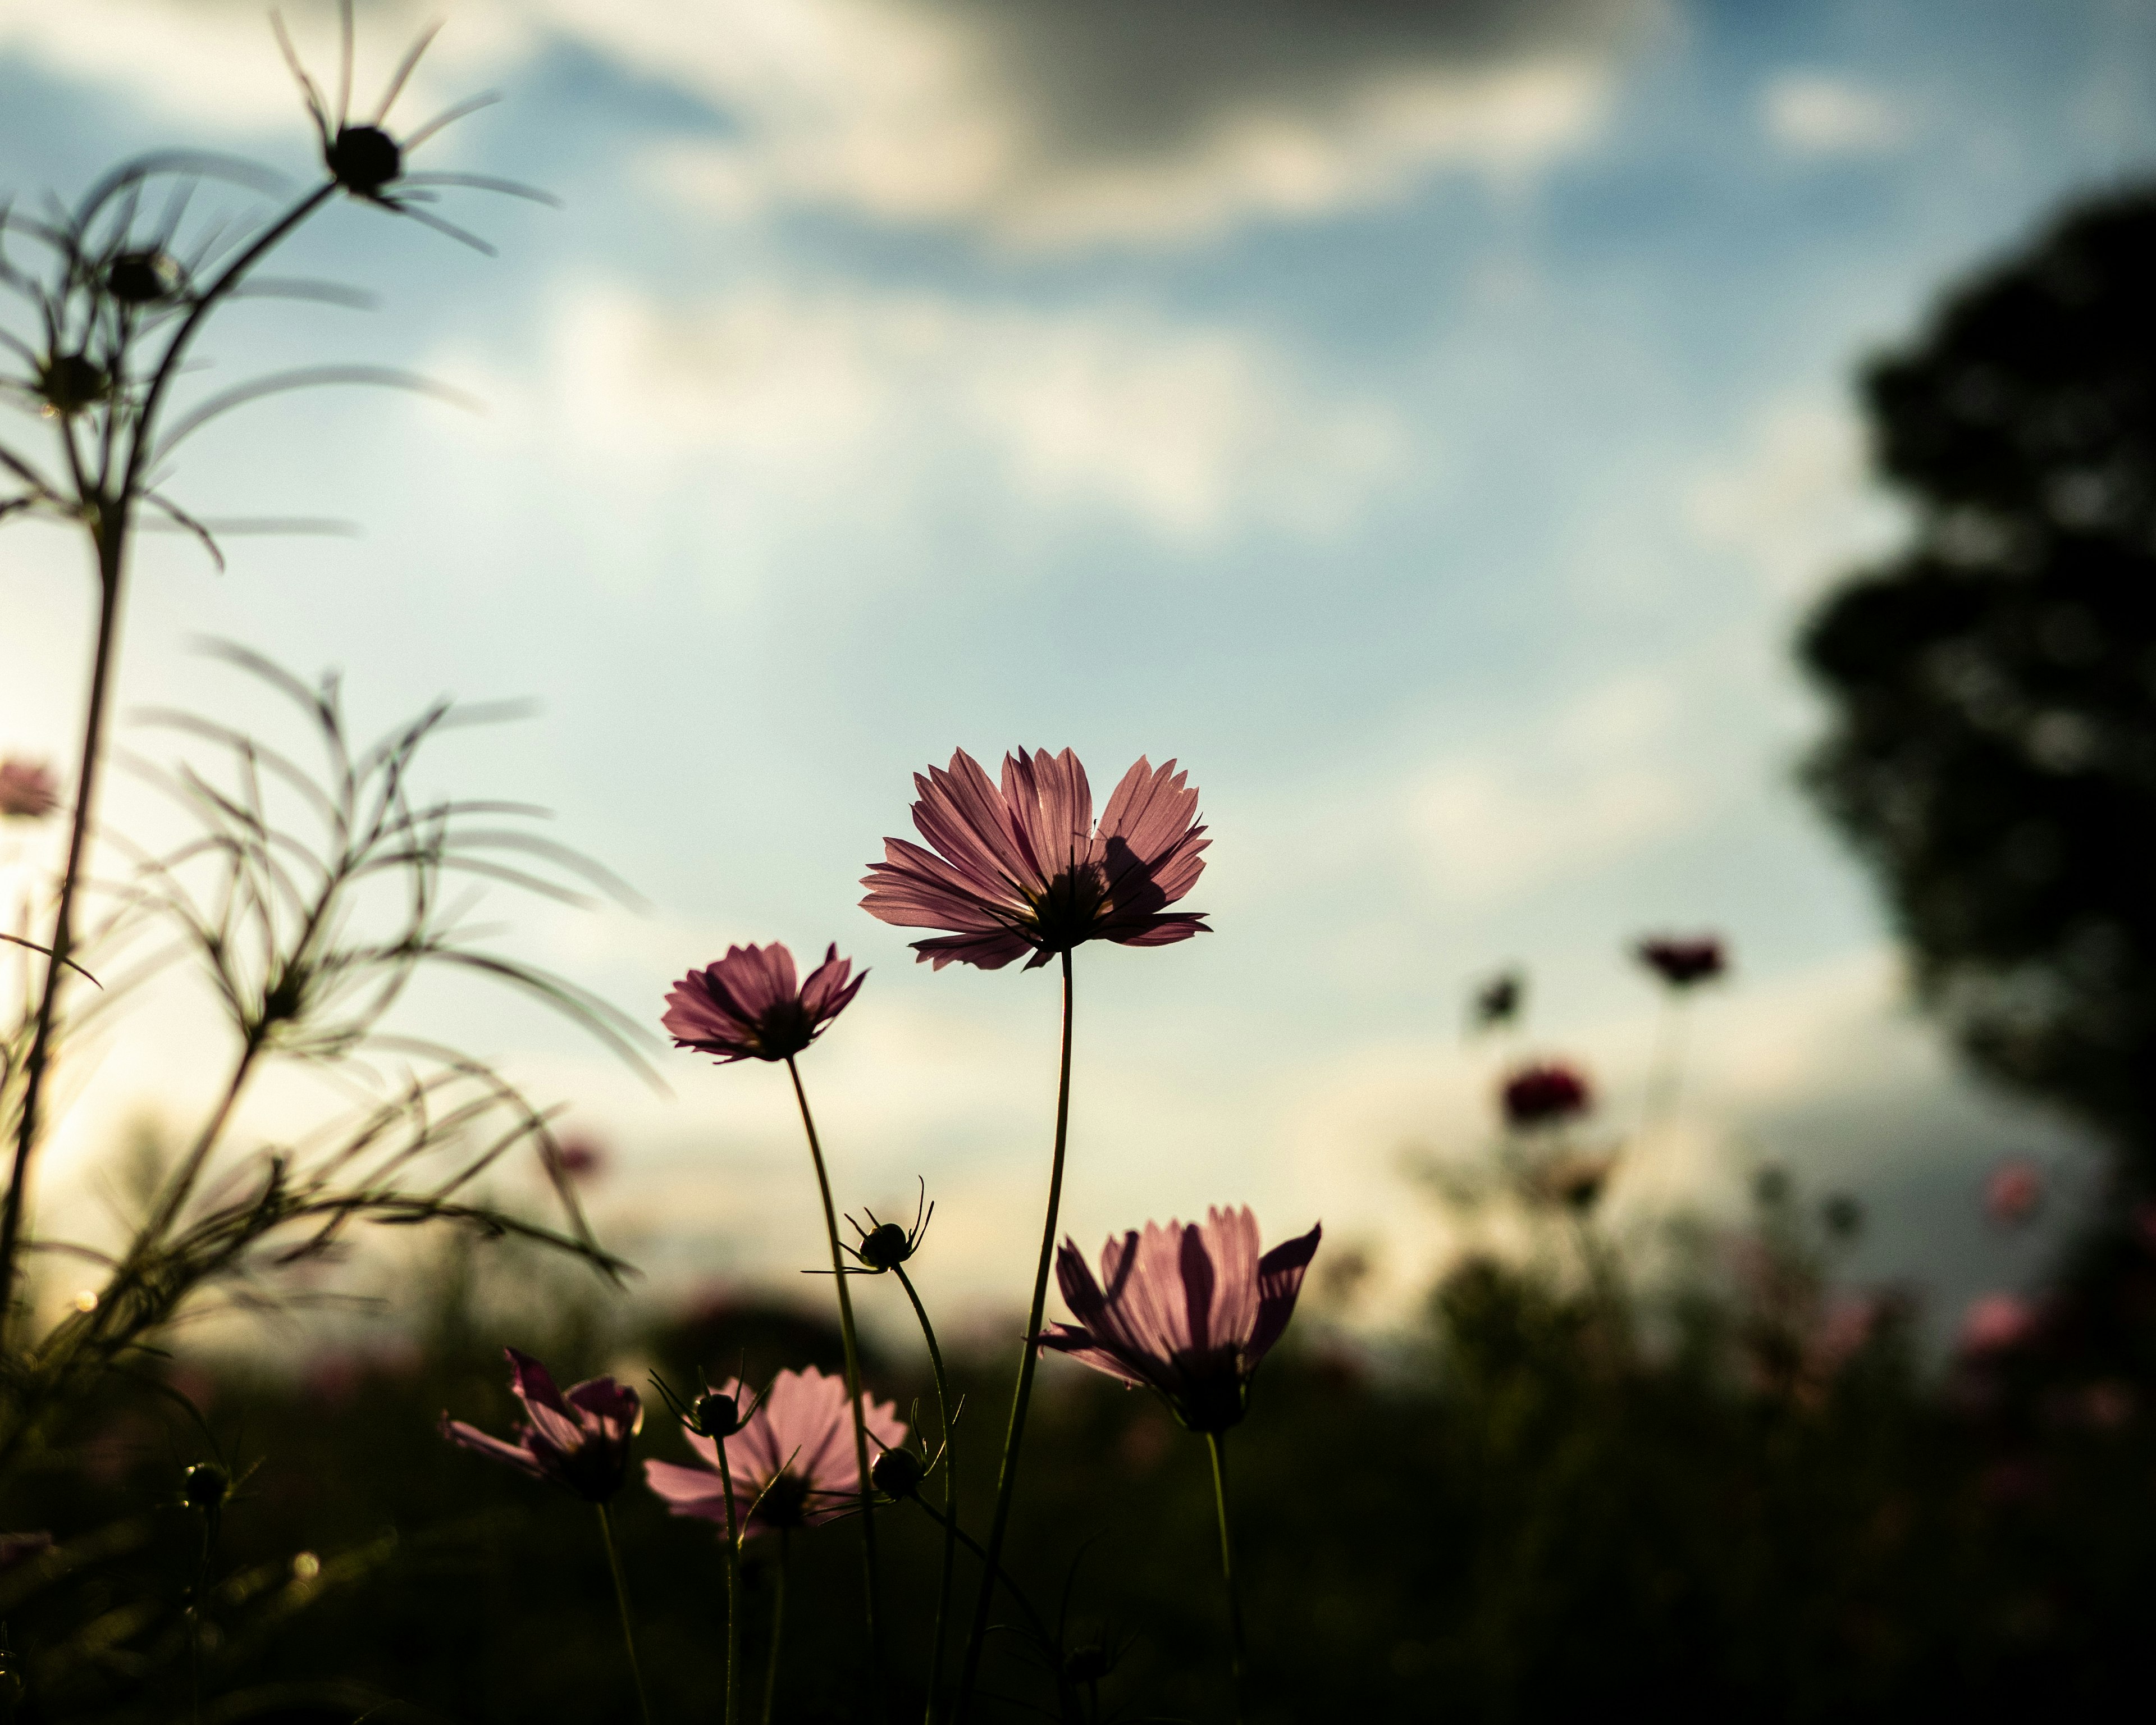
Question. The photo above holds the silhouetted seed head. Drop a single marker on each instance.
(364, 159)
(897, 1473)
(206, 1485)
(717, 1414)
(1088, 1664)
(885, 1247)
(145, 278)
(71, 382)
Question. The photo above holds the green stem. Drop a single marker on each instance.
(733, 1587)
(853, 1380)
(950, 1526)
(778, 1628)
(950, 1504)
(1007, 1474)
(621, 1599)
(1217, 1442)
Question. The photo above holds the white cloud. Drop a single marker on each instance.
(789, 403)
(1821, 114)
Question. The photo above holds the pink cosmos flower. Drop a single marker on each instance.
(28, 790)
(795, 1453)
(748, 1006)
(1996, 1323)
(1683, 963)
(1548, 1093)
(580, 1440)
(2013, 1193)
(1186, 1310)
(1022, 869)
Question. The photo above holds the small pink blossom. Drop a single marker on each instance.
(792, 1461)
(579, 1440)
(28, 790)
(1996, 1323)
(2014, 1192)
(1187, 1310)
(1683, 961)
(748, 1006)
(1021, 869)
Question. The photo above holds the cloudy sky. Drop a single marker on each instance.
(1427, 423)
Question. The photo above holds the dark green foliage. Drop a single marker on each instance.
(1994, 749)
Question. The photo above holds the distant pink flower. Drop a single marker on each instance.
(1188, 1311)
(1683, 961)
(27, 791)
(580, 1158)
(580, 1440)
(795, 1453)
(1545, 1094)
(2013, 1193)
(1996, 1323)
(748, 1006)
(1023, 869)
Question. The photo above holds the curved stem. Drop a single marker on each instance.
(853, 1380)
(1217, 1442)
(950, 1504)
(733, 1587)
(778, 1629)
(1007, 1474)
(950, 1527)
(621, 1599)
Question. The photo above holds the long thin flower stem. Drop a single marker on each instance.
(733, 1587)
(1217, 1442)
(853, 1382)
(778, 1628)
(1007, 1474)
(950, 1499)
(950, 1526)
(621, 1599)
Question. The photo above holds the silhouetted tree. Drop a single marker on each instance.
(1994, 749)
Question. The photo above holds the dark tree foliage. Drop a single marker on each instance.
(1993, 749)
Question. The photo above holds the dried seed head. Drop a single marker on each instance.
(364, 159)
(145, 278)
(897, 1473)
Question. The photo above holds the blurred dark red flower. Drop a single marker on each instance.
(580, 1440)
(747, 1005)
(1548, 1093)
(2014, 1192)
(792, 1462)
(1683, 961)
(1186, 1310)
(1022, 869)
(28, 790)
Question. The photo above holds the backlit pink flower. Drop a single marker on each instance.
(1995, 1323)
(1683, 961)
(580, 1440)
(27, 791)
(1186, 1310)
(1022, 869)
(2013, 1192)
(795, 1453)
(1548, 1093)
(748, 1006)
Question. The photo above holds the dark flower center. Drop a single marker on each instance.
(785, 1028)
(784, 1501)
(364, 159)
(1212, 1398)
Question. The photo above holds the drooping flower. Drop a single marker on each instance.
(1547, 1093)
(748, 1006)
(28, 790)
(2013, 1193)
(580, 1440)
(1188, 1310)
(1023, 869)
(792, 1462)
(1683, 961)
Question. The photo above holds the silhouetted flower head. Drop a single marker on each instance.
(1498, 1000)
(795, 1454)
(898, 1473)
(748, 1006)
(1996, 1323)
(2014, 1192)
(1548, 1093)
(1186, 1310)
(145, 278)
(1023, 869)
(27, 791)
(1683, 963)
(579, 1440)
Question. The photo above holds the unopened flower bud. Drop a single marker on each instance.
(145, 278)
(885, 1247)
(717, 1414)
(68, 382)
(364, 159)
(206, 1485)
(897, 1473)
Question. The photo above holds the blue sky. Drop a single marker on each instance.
(1427, 424)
